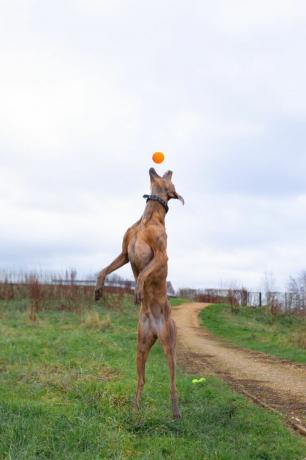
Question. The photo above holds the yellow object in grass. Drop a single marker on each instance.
(201, 380)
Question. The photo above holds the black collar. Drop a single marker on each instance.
(158, 199)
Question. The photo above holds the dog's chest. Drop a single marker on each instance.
(139, 252)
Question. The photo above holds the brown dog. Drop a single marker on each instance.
(145, 247)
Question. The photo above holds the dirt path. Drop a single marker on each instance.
(269, 381)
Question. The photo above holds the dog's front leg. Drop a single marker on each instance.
(159, 260)
(100, 285)
(139, 290)
(122, 259)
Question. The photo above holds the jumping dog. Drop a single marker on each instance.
(145, 247)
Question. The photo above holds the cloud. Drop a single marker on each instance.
(90, 89)
(266, 163)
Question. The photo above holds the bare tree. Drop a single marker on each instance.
(269, 287)
(296, 299)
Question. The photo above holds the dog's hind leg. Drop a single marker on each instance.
(146, 340)
(168, 341)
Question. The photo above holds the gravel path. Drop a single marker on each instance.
(279, 384)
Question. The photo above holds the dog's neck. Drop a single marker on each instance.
(159, 200)
(155, 210)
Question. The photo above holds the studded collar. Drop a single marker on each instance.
(158, 199)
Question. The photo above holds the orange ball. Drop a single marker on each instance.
(158, 157)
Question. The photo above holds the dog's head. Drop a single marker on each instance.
(163, 186)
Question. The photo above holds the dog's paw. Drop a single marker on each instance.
(176, 414)
(98, 294)
(136, 405)
(138, 297)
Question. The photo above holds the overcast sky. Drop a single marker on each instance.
(89, 89)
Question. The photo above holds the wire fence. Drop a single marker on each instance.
(287, 301)
(290, 301)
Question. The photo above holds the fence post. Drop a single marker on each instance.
(260, 299)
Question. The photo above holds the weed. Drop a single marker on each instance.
(36, 297)
(300, 339)
(93, 320)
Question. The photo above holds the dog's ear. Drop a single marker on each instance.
(168, 175)
(153, 173)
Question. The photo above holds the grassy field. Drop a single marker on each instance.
(282, 335)
(66, 385)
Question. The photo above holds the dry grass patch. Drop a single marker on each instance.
(62, 379)
(299, 339)
(92, 320)
(7, 331)
(107, 373)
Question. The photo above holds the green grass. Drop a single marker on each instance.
(175, 301)
(283, 335)
(66, 392)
